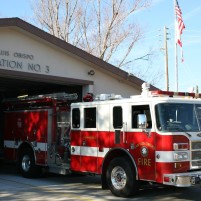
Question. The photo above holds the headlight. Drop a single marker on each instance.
(180, 146)
(181, 156)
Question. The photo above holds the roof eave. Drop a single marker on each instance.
(17, 22)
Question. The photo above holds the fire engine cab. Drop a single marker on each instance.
(154, 137)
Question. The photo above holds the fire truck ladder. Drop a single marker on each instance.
(56, 96)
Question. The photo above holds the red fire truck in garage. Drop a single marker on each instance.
(153, 137)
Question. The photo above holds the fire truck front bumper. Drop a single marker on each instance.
(182, 179)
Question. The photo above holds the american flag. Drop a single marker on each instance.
(180, 24)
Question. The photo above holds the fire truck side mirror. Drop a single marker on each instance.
(142, 121)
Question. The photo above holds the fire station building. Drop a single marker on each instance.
(34, 62)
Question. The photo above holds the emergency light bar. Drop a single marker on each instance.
(175, 94)
(103, 97)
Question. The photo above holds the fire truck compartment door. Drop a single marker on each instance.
(88, 151)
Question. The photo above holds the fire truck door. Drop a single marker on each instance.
(142, 142)
(88, 146)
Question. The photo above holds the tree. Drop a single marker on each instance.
(104, 28)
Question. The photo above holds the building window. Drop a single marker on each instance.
(117, 117)
(90, 117)
(76, 118)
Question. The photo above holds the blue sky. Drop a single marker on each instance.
(153, 20)
(161, 14)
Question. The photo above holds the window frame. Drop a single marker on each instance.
(117, 120)
(90, 121)
(145, 105)
(73, 118)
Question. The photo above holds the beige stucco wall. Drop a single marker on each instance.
(44, 58)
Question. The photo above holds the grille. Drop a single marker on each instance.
(195, 154)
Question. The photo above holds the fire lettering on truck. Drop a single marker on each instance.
(144, 161)
(90, 137)
(144, 144)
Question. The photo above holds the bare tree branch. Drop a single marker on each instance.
(106, 29)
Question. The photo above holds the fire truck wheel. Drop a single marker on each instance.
(121, 178)
(27, 165)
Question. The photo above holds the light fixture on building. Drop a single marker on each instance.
(91, 72)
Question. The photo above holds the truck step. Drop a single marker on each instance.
(62, 169)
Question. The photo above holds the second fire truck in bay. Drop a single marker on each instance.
(154, 137)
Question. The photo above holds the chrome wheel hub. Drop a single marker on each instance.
(118, 177)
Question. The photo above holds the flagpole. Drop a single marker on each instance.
(176, 66)
(166, 58)
(176, 54)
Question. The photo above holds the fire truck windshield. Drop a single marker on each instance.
(174, 117)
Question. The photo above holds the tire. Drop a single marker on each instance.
(26, 164)
(121, 178)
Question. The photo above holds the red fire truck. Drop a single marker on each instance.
(153, 137)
